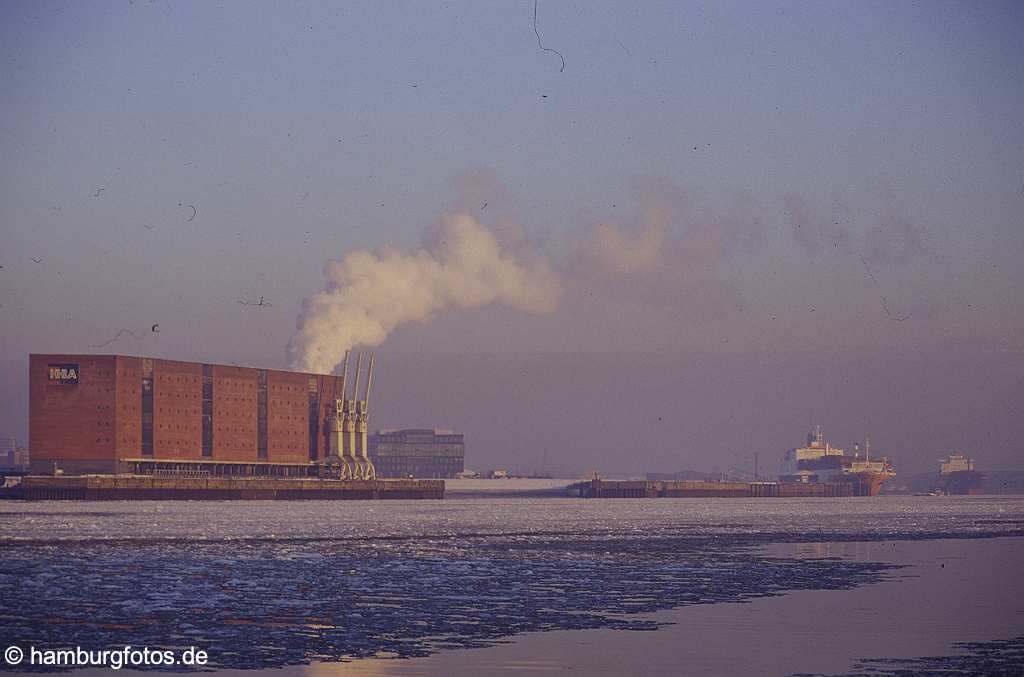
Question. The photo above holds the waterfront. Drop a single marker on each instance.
(269, 585)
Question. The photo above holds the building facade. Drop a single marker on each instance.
(115, 413)
(419, 453)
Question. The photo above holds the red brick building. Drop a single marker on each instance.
(113, 413)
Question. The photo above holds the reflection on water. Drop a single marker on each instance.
(268, 584)
(423, 668)
(817, 632)
(861, 551)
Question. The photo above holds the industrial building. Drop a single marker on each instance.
(122, 414)
(426, 453)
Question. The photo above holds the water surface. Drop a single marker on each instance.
(273, 584)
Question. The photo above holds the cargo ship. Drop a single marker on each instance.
(958, 477)
(819, 462)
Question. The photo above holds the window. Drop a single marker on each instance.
(207, 416)
(314, 417)
(147, 407)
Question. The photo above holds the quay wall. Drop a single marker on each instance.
(693, 489)
(139, 487)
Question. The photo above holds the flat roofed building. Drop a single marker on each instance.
(420, 453)
(115, 413)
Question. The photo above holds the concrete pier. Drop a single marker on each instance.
(685, 489)
(142, 487)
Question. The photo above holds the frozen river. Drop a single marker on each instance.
(275, 584)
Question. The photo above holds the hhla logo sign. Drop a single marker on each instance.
(64, 373)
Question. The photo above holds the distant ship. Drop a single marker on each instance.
(820, 462)
(957, 476)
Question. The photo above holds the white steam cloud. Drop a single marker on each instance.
(368, 295)
(621, 252)
(664, 255)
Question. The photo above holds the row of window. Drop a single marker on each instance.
(221, 381)
(147, 395)
(186, 427)
(207, 420)
(186, 444)
(403, 439)
(261, 415)
(228, 413)
(412, 462)
(418, 450)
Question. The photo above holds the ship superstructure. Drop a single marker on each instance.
(818, 461)
(958, 476)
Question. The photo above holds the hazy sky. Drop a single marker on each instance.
(771, 213)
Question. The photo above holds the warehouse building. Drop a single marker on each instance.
(420, 453)
(117, 414)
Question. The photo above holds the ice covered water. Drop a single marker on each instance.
(267, 584)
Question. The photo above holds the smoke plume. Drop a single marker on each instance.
(621, 252)
(368, 295)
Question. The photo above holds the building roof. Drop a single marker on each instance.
(166, 359)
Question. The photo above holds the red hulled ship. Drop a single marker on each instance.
(819, 462)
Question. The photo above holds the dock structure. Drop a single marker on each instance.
(148, 487)
(598, 488)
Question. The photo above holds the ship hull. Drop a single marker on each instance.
(820, 462)
(962, 483)
(864, 483)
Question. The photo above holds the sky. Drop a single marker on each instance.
(714, 227)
